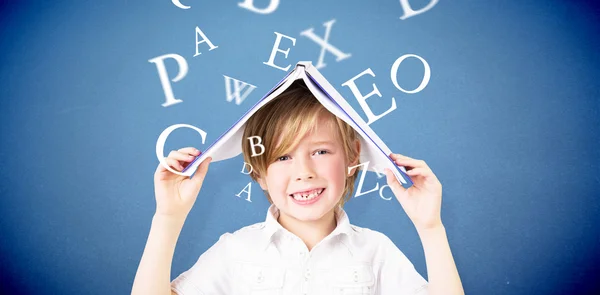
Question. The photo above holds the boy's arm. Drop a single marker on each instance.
(422, 203)
(154, 272)
(441, 271)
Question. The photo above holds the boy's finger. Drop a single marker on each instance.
(198, 177)
(396, 156)
(181, 156)
(410, 162)
(396, 187)
(424, 172)
(418, 172)
(189, 150)
(174, 164)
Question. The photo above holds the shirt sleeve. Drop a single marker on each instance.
(398, 275)
(209, 275)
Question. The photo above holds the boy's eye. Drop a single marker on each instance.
(320, 152)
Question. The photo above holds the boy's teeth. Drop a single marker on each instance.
(310, 196)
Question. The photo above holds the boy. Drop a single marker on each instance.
(306, 245)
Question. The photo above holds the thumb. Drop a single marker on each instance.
(397, 189)
(198, 177)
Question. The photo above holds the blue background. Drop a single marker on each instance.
(509, 123)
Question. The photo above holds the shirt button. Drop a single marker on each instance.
(307, 274)
(260, 278)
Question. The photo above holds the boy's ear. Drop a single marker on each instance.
(262, 183)
(355, 161)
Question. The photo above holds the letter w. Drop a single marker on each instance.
(238, 86)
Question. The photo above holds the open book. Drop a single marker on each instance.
(373, 150)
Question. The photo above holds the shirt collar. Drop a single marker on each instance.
(272, 226)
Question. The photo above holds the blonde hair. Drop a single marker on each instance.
(293, 114)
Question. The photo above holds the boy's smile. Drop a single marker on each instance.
(307, 197)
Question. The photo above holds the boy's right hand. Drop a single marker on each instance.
(176, 194)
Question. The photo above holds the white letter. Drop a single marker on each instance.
(248, 4)
(204, 39)
(237, 89)
(394, 73)
(249, 191)
(245, 168)
(178, 4)
(162, 138)
(408, 11)
(276, 48)
(362, 179)
(254, 154)
(324, 45)
(164, 78)
(381, 194)
(378, 172)
(362, 99)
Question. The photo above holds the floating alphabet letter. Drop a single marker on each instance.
(238, 86)
(393, 75)
(258, 143)
(204, 39)
(164, 78)
(362, 99)
(249, 4)
(426, 75)
(362, 179)
(324, 44)
(249, 191)
(276, 49)
(162, 138)
(178, 4)
(408, 11)
(246, 164)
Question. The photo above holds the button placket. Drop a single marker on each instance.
(260, 277)
(307, 274)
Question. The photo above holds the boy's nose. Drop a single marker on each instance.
(305, 176)
(304, 170)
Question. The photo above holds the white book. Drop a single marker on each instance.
(373, 149)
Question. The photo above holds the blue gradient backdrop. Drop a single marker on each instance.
(509, 123)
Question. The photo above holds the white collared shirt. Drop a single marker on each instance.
(266, 259)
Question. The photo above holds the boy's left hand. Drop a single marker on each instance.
(422, 201)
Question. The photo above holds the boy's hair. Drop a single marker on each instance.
(293, 114)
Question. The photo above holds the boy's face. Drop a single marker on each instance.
(308, 182)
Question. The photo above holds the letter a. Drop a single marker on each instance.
(164, 78)
(249, 4)
(204, 39)
(409, 12)
(249, 191)
(237, 87)
(324, 45)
